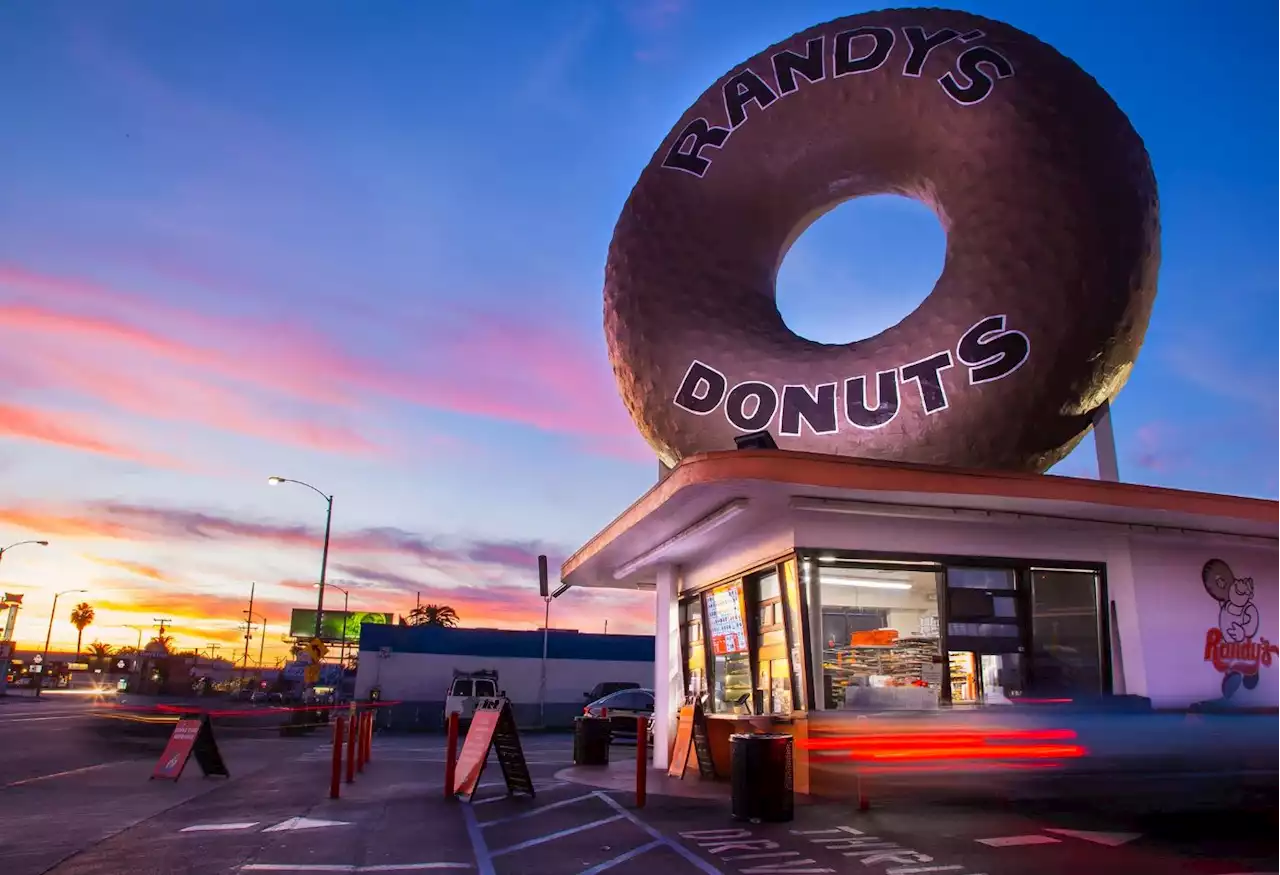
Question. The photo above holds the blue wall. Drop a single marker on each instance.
(507, 643)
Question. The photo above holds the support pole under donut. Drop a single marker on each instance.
(1104, 442)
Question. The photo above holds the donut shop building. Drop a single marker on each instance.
(790, 584)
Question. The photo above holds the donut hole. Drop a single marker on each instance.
(860, 269)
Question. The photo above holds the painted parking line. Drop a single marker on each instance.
(542, 788)
(559, 834)
(1110, 839)
(1018, 841)
(219, 827)
(534, 812)
(61, 774)
(338, 867)
(485, 856)
(622, 858)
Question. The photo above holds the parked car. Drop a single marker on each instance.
(622, 708)
(599, 691)
(466, 691)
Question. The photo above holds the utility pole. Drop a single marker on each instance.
(161, 623)
(262, 642)
(248, 632)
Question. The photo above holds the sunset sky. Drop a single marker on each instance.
(362, 245)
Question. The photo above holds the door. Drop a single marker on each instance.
(986, 634)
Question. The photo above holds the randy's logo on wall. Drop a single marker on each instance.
(1231, 645)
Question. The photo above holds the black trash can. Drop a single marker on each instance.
(761, 777)
(591, 737)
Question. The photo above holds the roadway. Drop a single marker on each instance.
(49, 736)
(394, 818)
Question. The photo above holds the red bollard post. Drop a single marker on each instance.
(642, 759)
(368, 736)
(352, 740)
(451, 754)
(360, 740)
(335, 779)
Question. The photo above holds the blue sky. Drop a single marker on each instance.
(362, 245)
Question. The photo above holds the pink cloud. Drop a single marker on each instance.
(72, 431)
(523, 368)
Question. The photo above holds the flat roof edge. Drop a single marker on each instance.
(842, 472)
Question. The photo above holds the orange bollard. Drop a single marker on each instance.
(360, 742)
(368, 736)
(642, 757)
(451, 755)
(352, 740)
(335, 779)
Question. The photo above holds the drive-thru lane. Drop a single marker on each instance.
(394, 817)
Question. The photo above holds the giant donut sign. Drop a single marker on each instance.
(1053, 245)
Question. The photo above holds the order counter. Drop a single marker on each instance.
(721, 726)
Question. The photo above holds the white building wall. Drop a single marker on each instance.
(1177, 613)
(425, 677)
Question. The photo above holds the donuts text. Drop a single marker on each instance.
(989, 350)
(847, 53)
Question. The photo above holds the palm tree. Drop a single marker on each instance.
(162, 643)
(81, 616)
(100, 653)
(434, 615)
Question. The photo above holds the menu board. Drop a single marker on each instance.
(724, 618)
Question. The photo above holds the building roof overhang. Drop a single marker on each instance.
(710, 497)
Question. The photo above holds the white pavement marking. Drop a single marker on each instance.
(680, 849)
(541, 808)
(1110, 839)
(540, 840)
(622, 858)
(60, 774)
(1015, 841)
(337, 867)
(218, 827)
(548, 786)
(484, 862)
(304, 823)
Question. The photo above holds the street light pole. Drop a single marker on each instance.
(44, 660)
(342, 647)
(324, 556)
(262, 643)
(11, 614)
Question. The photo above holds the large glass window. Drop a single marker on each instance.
(773, 669)
(794, 615)
(1066, 652)
(985, 635)
(880, 636)
(694, 650)
(731, 682)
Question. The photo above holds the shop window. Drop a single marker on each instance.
(880, 634)
(1066, 655)
(731, 682)
(985, 634)
(793, 609)
(694, 649)
(773, 671)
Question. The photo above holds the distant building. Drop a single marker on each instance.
(414, 666)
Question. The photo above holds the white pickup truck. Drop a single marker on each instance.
(467, 689)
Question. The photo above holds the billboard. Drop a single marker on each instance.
(302, 624)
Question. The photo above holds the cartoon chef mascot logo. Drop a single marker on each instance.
(1231, 646)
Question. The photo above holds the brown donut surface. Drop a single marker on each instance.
(1044, 189)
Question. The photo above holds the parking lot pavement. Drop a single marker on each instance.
(55, 815)
(395, 818)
